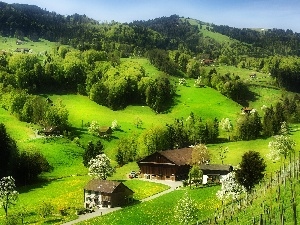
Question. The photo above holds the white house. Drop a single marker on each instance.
(214, 172)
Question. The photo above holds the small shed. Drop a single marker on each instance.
(106, 193)
(214, 172)
(105, 131)
(51, 130)
(245, 110)
(22, 50)
(207, 62)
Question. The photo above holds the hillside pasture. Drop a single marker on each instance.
(39, 47)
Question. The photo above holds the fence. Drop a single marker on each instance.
(276, 195)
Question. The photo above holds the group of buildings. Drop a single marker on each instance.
(172, 165)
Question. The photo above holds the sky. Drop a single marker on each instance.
(281, 14)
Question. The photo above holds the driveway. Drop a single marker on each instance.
(99, 212)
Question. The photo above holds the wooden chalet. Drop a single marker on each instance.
(106, 193)
(167, 165)
(214, 172)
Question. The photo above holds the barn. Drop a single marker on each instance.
(167, 165)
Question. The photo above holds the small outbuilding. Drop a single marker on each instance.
(106, 193)
(51, 131)
(214, 172)
(105, 131)
(246, 110)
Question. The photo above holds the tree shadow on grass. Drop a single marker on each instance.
(39, 184)
(171, 104)
(250, 96)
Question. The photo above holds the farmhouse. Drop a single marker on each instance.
(106, 193)
(214, 172)
(167, 165)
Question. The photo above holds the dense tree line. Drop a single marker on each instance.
(23, 166)
(278, 41)
(105, 80)
(179, 134)
(127, 83)
(34, 109)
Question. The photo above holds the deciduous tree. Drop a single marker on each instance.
(231, 189)
(92, 151)
(100, 167)
(200, 154)
(186, 211)
(8, 193)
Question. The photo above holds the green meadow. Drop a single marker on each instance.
(41, 46)
(63, 187)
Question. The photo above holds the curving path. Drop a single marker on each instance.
(99, 212)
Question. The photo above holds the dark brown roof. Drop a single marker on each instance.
(180, 157)
(216, 167)
(246, 109)
(106, 186)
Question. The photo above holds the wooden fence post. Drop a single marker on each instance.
(261, 221)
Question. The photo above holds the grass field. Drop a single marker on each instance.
(9, 45)
(161, 210)
(64, 185)
(220, 38)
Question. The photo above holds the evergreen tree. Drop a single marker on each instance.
(251, 171)
(92, 151)
(267, 125)
(8, 152)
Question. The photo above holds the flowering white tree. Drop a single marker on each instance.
(230, 189)
(200, 154)
(186, 210)
(226, 125)
(94, 128)
(182, 81)
(282, 145)
(115, 125)
(198, 82)
(100, 167)
(8, 194)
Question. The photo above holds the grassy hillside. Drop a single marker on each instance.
(41, 46)
(205, 31)
(64, 184)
